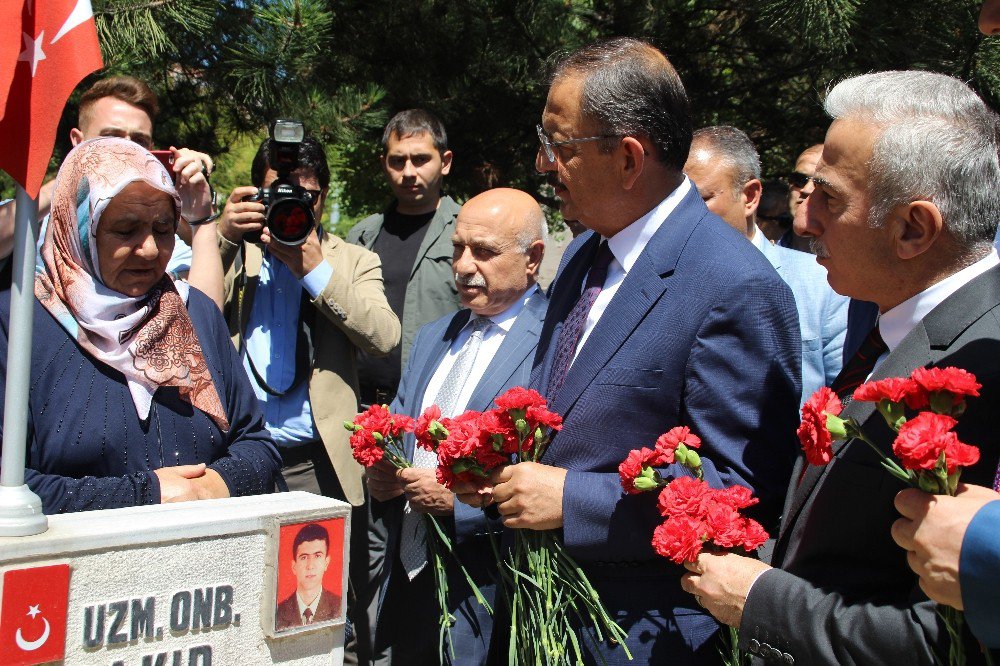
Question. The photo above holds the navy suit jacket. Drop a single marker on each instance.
(702, 332)
(979, 571)
(511, 366)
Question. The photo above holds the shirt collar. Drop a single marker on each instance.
(758, 238)
(303, 605)
(505, 319)
(896, 324)
(628, 244)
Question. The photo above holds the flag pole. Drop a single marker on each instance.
(20, 509)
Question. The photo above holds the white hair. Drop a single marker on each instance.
(937, 142)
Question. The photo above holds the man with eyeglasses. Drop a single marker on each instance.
(662, 316)
(800, 186)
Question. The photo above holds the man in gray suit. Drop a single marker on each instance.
(903, 215)
(459, 362)
(725, 167)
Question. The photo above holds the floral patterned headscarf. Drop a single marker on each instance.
(150, 339)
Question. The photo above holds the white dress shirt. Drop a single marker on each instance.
(626, 246)
(311, 606)
(896, 324)
(492, 339)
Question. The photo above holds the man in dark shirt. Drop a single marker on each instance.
(412, 238)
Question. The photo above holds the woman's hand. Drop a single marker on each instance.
(190, 482)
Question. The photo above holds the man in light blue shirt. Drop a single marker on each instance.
(725, 167)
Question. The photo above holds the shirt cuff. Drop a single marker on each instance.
(315, 281)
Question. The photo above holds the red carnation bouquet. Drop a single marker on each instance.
(377, 435)
(696, 516)
(548, 592)
(928, 453)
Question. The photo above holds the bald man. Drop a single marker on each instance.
(459, 362)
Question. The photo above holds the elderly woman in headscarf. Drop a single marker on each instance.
(137, 395)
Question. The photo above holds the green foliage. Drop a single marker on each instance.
(225, 68)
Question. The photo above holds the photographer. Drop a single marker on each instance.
(299, 313)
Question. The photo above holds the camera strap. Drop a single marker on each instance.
(304, 344)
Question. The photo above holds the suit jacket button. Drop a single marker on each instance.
(789, 659)
(754, 645)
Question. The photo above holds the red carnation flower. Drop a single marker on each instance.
(754, 535)
(541, 416)
(365, 449)
(668, 442)
(922, 439)
(812, 432)
(933, 382)
(893, 389)
(738, 497)
(421, 430)
(519, 398)
(630, 468)
(685, 496)
(725, 525)
(679, 539)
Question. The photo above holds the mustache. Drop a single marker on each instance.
(474, 280)
(817, 248)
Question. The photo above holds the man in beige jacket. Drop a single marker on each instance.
(298, 314)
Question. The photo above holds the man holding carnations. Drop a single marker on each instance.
(904, 215)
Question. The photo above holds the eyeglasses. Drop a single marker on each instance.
(549, 146)
(782, 219)
(799, 179)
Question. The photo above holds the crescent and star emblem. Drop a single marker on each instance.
(29, 646)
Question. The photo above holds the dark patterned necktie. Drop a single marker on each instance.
(861, 365)
(308, 615)
(576, 320)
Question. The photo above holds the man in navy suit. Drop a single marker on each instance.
(664, 316)
(725, 167)
(459, 362)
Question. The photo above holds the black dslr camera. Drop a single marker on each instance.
(287, 207)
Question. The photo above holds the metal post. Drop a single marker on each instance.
(20, 509)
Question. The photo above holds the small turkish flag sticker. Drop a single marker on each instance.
(33, 615)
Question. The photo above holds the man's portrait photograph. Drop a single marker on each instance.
(310, 574)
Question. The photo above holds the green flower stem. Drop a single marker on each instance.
(890, 465)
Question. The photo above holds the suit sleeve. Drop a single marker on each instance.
(817, 626)
(741, 390)
(354, 300)
(979, 571)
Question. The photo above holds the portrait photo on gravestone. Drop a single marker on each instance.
(310, 576)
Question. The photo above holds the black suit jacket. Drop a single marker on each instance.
(844, 593)
(288, 610)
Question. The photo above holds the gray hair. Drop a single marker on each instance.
(533, 227)
(938, 142)
(733, 147)
(631, 89)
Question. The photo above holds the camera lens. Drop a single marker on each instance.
(289, 221)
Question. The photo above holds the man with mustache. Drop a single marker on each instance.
(903, 215)
(459, 362)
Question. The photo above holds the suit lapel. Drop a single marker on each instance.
(937, 331)
(517, 344)
(639, 291)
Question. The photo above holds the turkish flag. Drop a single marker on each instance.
(33, 615)
(9, 48)
(58, 48)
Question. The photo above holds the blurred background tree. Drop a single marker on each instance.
(225, 68)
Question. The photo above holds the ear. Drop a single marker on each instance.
(632, 161)
(75, 136)
(751, 196)
(446, 162)
(535, 253)
(917, 226)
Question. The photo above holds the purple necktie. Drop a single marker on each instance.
(575, 321)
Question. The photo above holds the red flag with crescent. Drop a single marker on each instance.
(58, 47)
(33, 615)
